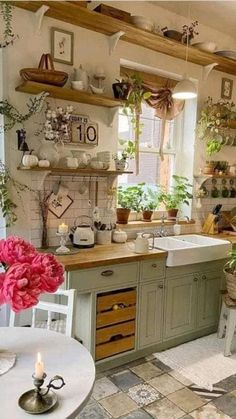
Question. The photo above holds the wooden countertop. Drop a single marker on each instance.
(223, 236)
(101, 255)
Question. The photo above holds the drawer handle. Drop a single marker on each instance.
(107, 273)
(154, 265)
(161, 286)
(204, 277)
(195, 279)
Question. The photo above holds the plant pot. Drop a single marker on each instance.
(230, 284)
(147, 216)
(104, 236)
(172, 213)
(121, 90)
(122, 215)
(121, 164)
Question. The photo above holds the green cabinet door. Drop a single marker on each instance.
(180, 305)
(208, 299)
(150, 313)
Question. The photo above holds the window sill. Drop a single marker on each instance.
(154, 223)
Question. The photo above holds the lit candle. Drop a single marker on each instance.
(63, 228)
(39, 367)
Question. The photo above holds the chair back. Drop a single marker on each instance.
(51, 307)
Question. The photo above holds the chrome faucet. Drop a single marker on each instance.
(162, 232)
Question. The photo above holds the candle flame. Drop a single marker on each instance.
(39, 358)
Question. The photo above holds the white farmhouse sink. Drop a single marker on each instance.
(191, 248)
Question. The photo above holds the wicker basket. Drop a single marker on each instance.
(45, 73)
(230, 284)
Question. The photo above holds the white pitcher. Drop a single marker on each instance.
(81, 75)
(141, 244)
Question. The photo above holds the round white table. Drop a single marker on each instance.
(61, 355)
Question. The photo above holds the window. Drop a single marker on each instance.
(152, 170)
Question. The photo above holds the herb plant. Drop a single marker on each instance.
(131, 197)
(178, 195)
(231, 264)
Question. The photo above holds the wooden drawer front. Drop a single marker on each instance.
(115, 347)
(119, 330)
(104, 276)
(153, 268)
(116, 316)
(125, 298)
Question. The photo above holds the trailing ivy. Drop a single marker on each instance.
(6, 9)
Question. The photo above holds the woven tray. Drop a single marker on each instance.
(45, 73)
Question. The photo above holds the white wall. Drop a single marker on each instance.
(91, 50)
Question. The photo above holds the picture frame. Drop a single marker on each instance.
(62, 46)
(226, 88)
(59, 204)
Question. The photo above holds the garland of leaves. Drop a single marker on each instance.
(6, 9)
(13, 116)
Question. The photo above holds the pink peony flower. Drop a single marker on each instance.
(14, 249)
(21, 286)
(2, 278)
(51, 271)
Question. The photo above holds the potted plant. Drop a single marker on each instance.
(129, 198)
(121, 88)
(122, 157)
(188, 32)
(178, 195)
(214, 117)
(230, 274)
(149, 204)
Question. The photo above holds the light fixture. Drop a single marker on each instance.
(185, 88)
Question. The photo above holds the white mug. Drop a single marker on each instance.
(72, 162)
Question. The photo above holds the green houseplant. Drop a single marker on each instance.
(128, 152)
(150, 202)
(178, 195)
(129, 198)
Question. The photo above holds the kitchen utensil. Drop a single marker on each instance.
(83, 187)
(45, 73)
(81, 75)
(83, 158)
(71, 162)
(216, 209)
(119, 236)
(103, 236)
(141, 244)
(77, 85)
(82, 234)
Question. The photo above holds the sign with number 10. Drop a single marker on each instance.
(83, 131)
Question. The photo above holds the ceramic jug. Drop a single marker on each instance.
(141, 244)
(48, 150)
(81, 75)
(83, 159)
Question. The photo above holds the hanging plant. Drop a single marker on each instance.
(214, 119)
(133, 108)
(14, 116)
(6, 9)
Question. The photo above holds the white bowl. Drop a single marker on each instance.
(143, 23)
(208, 46)
(77, 85)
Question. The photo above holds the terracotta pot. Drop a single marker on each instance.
(172, 213)
(230, 284)
(147, 216)
(122, 215)
(121, 90)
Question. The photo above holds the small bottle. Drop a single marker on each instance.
(177, 228)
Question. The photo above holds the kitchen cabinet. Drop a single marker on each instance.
(150, 313)
(208, 298)
(180, 305)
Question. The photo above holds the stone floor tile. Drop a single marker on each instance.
(125, 379)
(146, 371)
(186, 400)
(208, 411)
(134, 363)
(164, 409)
(144, 394)
(118, 405)
(228, 384)
(93, 410)
(180, 378)
(160, 365)
(166, 384)
(103, 388)
(188, 417)
(227, 403)
(150, 358)
(138, 414)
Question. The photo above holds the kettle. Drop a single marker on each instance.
(82, 235)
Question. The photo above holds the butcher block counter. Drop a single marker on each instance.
(102, 255)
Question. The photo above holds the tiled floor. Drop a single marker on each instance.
(147, 388)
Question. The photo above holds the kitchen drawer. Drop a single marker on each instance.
(124, 298)
(110, 275)
(114, 347)
(108, 318)
(153, 269)
(121, 330)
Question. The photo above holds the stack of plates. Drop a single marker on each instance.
(228, 54)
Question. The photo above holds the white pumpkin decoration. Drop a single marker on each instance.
(44, 163)
(30, 160)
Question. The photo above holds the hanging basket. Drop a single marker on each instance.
(45, 73)
(230, 284)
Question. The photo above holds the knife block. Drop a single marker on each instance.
(210, 225)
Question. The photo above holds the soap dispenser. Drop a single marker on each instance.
(177, 228)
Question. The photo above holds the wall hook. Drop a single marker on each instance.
(113, 41)
(207, 69)
(39, 18)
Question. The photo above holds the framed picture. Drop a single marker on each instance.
(62, 46)
(226, 88)
(59, 204)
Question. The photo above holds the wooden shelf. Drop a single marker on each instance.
(68, 94)
(80, 16)
(80, 172)
(215, 176)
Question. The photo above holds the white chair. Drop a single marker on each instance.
(63, 326)
(227, 322)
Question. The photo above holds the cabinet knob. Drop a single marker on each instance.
(161, 286)
(204, 277)
(195, 279)
(154, 265)
(109, 272)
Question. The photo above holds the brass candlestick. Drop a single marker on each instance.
(40, 400)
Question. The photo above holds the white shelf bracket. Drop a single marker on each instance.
(207, 69)
(111, 116)
(39, 18)
(113, 41)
